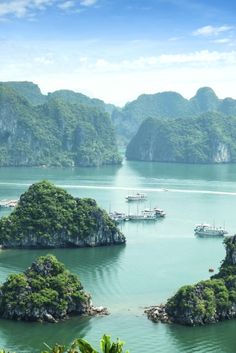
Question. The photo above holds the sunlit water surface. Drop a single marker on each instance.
(158, 258)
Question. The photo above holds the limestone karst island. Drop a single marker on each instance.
(206, 302)
(48, 217)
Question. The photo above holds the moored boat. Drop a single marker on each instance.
(8, 203)
(118, 216)
(209, 230)
(142, 217)
(136, 197)
(159, 213)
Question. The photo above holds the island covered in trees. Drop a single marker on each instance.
(61, 129)
(206, 302)
(209, 138)
(46, 291)
(69, 129)
(49, 217)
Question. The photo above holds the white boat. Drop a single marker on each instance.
(8, 203)
(142, 217)
(118, 216)
(136, 197)
(156, 211)
(209, 230)
(147, 214)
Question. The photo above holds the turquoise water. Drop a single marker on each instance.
(157, 259)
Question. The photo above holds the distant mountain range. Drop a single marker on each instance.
(61, 129)
(168, 105)
(209, 138)
(69, 128)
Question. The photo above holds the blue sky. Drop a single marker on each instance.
(117, 50)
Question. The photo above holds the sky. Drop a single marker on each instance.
(116, 50)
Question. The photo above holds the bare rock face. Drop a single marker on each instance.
(222, 153)
(206, 302)
(231, 251)
(157, 314)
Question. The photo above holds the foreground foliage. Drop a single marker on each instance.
(48, 216)
(46, 291)
(82, 346)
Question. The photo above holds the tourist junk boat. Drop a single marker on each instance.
(209, 230)
(8, 203)
(147, 215)
(118, 216)
(136, 197)
(159, 213)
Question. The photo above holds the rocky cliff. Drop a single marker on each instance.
(205, 302)
(209, 138)
(56, 133)
(48, 217)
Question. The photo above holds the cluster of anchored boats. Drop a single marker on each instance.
(152, 214)
(148, 214)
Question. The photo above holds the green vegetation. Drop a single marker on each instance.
(209, 138)
(168, 105)
(47, 216)
(28, 90)
(83, 346)
(208, 301)
(44, 292)
(56, 133)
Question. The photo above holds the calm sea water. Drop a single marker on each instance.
(157, 259)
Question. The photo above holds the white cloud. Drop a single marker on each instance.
(199, 57)
(44, 60)
(211, 30)
(21, 8)
(147, 63)
(113, 75)
(222, 41)
(67, 5)
(88, 2)
(24, 8)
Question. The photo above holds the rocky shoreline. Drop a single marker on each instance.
(91, 311)
(157, 313)
(205, 302)
(45, 292)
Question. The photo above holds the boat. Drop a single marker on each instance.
(8, 203)
(118, 216)
(142, 217)
(147, 214)
(209, 230)
(136, 197)
(157, 212)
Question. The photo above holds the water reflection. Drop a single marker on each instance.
(27, 337)
(217, 338)
(223, 172)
